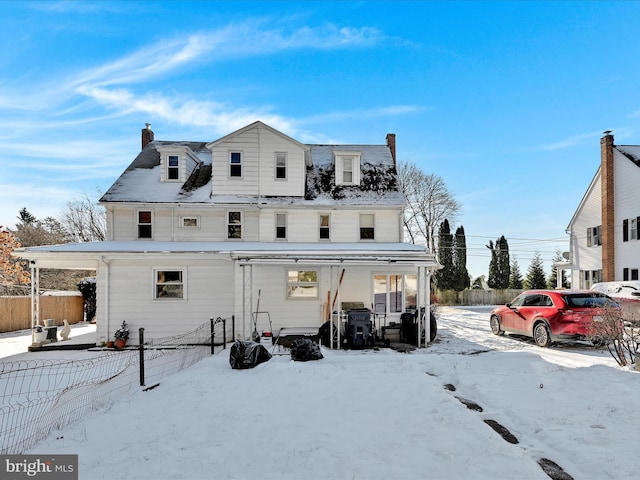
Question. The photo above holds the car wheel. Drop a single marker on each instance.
(541, 335)
(495, 325)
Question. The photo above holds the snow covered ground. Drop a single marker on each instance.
(375, 415)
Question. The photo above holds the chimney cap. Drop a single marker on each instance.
(148, 126)
(607, 132)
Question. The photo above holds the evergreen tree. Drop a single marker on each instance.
(535, 275)
(499, 268)
(445, 277)
(515, 279)
(462, 279)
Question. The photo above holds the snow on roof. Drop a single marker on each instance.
(223, 247)
(141, 181)
(632, 152)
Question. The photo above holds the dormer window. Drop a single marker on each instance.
(235, 164)
(347, 168)
(173, 167)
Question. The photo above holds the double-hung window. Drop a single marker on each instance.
(367, 226)
(235, 164)
(594, 237)
(281, 166)
(169, 284)
(145, 224)
(281, 226)
(347, 170)
(325, 227)
(234, 225)
(302, 284)
(173, 167)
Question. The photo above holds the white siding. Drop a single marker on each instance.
(627, 206)
(131, 289)
(258, 146)
(589, 215)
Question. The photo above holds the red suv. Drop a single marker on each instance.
(551, 315)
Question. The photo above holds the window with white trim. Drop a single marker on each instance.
(302, 284)
(367, 226)
(145, 224)
(189, 222)
(235, 164)
(634, 229)
(347, 167)
(281, 226)
(325, 226)
(234, 225)
(169, 284)
(281, 166)
(594, 237)
(173, 167)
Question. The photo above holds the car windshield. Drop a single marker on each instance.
(589, 300)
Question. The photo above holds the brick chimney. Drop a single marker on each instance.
(391, 143)
(147, 135)
(607, 205)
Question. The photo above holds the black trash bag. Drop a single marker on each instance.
(247, 354)
(304, 349)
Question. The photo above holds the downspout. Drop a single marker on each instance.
(107, 274)
(35, 298)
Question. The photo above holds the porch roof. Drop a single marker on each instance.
(86, 255)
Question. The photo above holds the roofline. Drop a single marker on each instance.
(584, 198)
(257, 123)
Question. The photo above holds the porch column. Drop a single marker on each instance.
(35, 297)
(247, 298)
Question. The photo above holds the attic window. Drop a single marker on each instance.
(281, 166)
(173, 167)
(347, 168)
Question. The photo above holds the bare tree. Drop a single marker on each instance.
(85, 220)
(429, 203)
(14, 274)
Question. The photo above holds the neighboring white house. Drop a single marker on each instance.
(604, 243)
(199, 230)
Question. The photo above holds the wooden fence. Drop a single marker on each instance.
(15, 312)
(475, 297)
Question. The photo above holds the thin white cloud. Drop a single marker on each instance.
(364, 113)
(572, 141)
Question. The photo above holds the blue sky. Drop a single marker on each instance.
(506, 101)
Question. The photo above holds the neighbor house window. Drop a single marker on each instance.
(593, 236)
(634, 274)
(235, 164)
(625, 274)
(281, 226)
(173, 167)
(234, 225)
(144, 224)
(190, 222)
(634, 229)
(367, 231)
(325, 227)
(281, 166)
(302, 284)
(169, 284)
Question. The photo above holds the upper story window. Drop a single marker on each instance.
(367, 226)
(594, 237)
(634, 229)
(325, 226)
(145, 224)
(347, 166)
(235, 164)
(234, 225)
(281, 226)
(281, 166)
(173, 167)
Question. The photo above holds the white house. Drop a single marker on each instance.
(253, 221)
(604, 243)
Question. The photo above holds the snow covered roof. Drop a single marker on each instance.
(243, 251)
(632, 152)
(379, 185)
